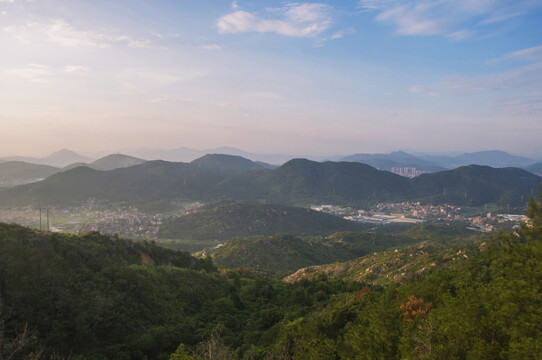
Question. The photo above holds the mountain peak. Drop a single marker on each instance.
(64, 157)
(224, 162)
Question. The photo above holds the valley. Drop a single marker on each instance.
(242, 259)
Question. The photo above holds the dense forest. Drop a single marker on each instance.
(97, 296)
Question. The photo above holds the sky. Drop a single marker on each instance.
(336, 77)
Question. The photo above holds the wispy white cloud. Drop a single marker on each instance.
(39, 73)
(414, 20)
(456, 19)
(334, 36)
(164, 36)
(528, 103)
(422, 90)
(461, 35)
(36, 73)
(79, 70)
(211, 47)
(523, 79)
(140, 80)
(64, 34)
(532, 53)
(299, 20)
(140, 44)
(341, 33)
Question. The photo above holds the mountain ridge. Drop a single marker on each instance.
(297, 182)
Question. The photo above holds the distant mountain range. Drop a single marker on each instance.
(495, 158)
(14, 173)
(19, 172)
(110, 162)
(297, 182)
(535, 168)
(184, 154)
(394, 159)
(58, 159)
(429, 163)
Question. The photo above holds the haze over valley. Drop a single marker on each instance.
(240, 180)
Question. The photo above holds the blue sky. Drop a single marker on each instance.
(272, 77)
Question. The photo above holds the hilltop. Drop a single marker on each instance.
(228, 163)
(115, 161)
(57, 159)
(475, 185)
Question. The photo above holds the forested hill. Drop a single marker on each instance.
(95, 294)
(150, 181)
(475, 185)
(303, 182)
(297, 182)
(99, 297)
(226, 221)
(226, 163)
(286, 253)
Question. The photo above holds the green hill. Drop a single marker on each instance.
(227, 221)
(303, 182)
(115, 161)
(100, 297)
(402, 264)
(147, 182)
(286, 253)
(477, 185)
(96, 294)
(227, 163)
(299, 182)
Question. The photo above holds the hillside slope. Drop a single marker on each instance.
(299, 182)
(227, 163)
(477, 185)
(18, 172)
(227, 221)
(286, 253)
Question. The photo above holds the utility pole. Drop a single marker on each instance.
(47, 219)
(40, 218)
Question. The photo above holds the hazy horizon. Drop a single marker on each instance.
(223, 150)
(300, 78)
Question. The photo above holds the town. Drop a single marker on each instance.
(126, 221)
(131, 222)
(415, 212)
